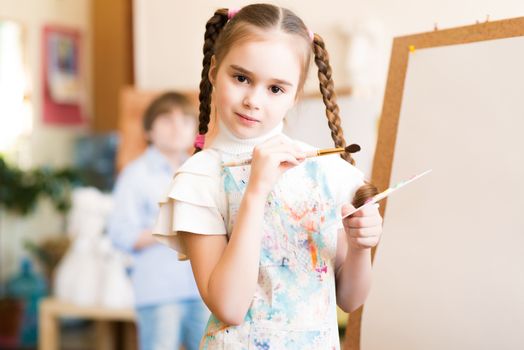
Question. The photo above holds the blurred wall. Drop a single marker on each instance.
(47, 145)
(50, 145)
(169, 34)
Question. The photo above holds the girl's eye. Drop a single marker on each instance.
(275, 89)
(241, 78)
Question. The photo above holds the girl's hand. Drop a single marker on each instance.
(363, 228)
(270, 160)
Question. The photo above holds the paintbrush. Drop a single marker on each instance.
(353, 148)
(386, 193)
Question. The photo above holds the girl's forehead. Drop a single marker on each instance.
(276, 57)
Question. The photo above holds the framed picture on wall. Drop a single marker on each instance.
(62, 76)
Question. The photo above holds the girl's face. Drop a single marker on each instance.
(256, 84)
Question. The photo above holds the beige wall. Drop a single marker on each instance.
(47, 145)
(169, 34)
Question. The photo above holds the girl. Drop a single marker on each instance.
(268, 248)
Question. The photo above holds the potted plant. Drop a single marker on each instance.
(20, 192)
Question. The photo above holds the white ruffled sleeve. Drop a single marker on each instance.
(193, 202)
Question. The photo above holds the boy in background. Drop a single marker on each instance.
(169, 309)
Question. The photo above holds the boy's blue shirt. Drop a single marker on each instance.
(156, 273)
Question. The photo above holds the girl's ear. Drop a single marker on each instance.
(212, 70)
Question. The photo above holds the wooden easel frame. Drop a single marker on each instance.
(383, 161)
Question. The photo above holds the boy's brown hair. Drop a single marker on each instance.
(165, 103)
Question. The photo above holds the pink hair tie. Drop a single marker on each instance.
(232, 12)
(311, 35)
(199, 141)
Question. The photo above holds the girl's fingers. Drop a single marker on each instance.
(284, 157)
(367, 242)
(277, 141)
(282, 152)
(363, 221)
(347, 208)
(298, 151)
(287, 147)
(280, 142)
(368, 211)
(365, 232)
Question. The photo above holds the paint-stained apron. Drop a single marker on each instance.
(294, 305)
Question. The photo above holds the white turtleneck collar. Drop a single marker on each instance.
(226, 142)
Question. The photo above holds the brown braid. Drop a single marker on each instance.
(327, 89)
(328, 95)
(213, 28)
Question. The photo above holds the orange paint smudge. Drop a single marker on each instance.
(312, 250)
(213, 332)
(295, 215)
(310, 226)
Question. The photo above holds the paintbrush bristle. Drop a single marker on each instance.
(353, 148)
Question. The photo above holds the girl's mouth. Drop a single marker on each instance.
(247, 120)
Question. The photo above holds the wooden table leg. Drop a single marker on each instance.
(130, 336)
(105, 335)
(49, 331)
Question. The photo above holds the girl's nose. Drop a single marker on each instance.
(253, 99)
